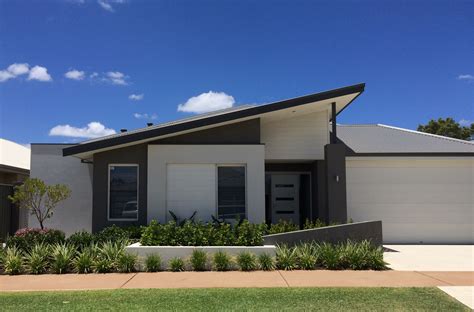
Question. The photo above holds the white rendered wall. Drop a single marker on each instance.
(160, 156)
(48, 164)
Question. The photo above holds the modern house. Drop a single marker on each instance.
(14, 169)
(285, 160)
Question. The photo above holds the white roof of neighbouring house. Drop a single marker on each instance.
(379, 138)
(14, 155)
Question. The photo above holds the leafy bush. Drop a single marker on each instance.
(153, 263)
(198, 260)
(265, 262)
(84, 261)
(81, 240)
(328, 256)
(134, 232)
(26, 238)
(176, 264)
(127, 262)
(112, 234)
(61, 258)
(102, 265)
(282, 226)
(37, 259)
(111, 252)
(222, 261)
(286, 258)
(13, 261)
(247, 261)
(308, 224)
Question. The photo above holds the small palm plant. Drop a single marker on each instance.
(307, 256)
(13, 261)
(84, 261)
(286, 258)
(62, 256)
(37, 259)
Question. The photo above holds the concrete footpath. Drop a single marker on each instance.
(319, 278)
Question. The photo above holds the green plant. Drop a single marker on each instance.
(307, 256)
(153, 263)
(248, 234)
(179, 221)
(247, 261)
(40, 199)
(127, 262)
(282, 226)
(111, 252)
(112, 233)
(198, 260)
(134, 232)
(176, 264)
(61, 258)
(80, 240)
(222, 261)
(102, 265)
(13, 261)
(308, 224)
(328, 256)
(37, 259)
(26, 238)
(84, 261)
(286, 258)
(266, 262)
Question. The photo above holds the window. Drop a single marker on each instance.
(231, 192)
(123, 192)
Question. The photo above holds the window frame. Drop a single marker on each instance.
(108, 191)
(217, 187)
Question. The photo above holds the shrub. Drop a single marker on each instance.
(80, 240)
(282, 226)
(61, 258)
(198, 260)
(308, 224)
(176, 264)
(249, 234)
(112, 234)
(247, 261)
(222, 261)
(84, 261)
(265, 262)
(26, 238)
(153, 263)
(102, 265)
(134, 232)
(111, 252)
(286, 258)
(13, 261)
(127, 262)
(307, 256)
(37, 259)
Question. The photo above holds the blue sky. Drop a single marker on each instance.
(416, 58)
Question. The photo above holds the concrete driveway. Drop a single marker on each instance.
(430, 257)
(436, 258)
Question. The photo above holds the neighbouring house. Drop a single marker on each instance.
(286, 160)
(14, 169)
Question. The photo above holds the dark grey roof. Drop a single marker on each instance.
(379, 138)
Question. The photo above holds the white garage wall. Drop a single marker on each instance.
(49, 165)
(427, 200)
(160, 157)
(302, 137)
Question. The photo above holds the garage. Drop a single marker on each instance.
(419, 199)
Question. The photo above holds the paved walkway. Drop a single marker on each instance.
(320, 278)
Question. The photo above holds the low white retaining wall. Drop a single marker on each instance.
(168, 252)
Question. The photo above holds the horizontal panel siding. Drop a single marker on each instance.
(418, 200)
(302, 137)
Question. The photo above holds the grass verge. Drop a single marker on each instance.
(218, 299)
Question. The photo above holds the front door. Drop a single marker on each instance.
(285, 197)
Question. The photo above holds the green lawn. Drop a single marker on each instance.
(213, 299)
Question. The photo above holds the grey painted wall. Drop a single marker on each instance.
(245, 132)
(136, 154)
(49, 165)
(336, 199)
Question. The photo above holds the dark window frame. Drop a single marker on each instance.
(137, 166)
(245, 215)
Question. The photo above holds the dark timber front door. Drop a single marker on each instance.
(285, 197)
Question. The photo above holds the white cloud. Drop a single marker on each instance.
(466, 77)
(465, 122)
(107, 4)
(116, 78)
(75, 74)
(13, 71)
(18, 69)
(93, 75)
(39, 73)
(145, 116)
(136, 97)
(92, 130)
(207, 102)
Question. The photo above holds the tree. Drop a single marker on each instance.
(40, 199)
(447, 127)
